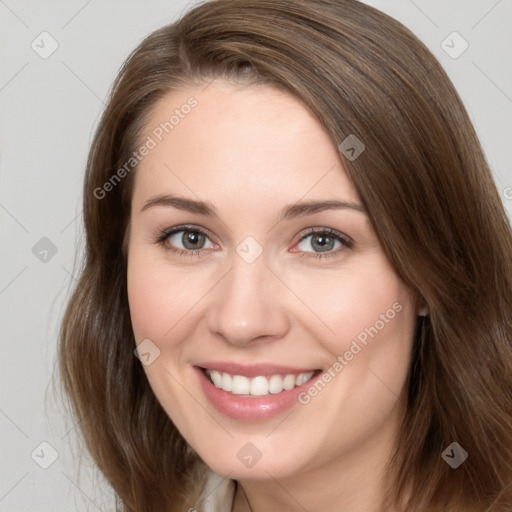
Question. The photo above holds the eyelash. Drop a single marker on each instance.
(165, 234)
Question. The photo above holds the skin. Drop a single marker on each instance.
(250, 151)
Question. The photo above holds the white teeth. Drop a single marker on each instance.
(257, 386)
(289, 381)
(216, 377)
(241, 385)
(227, 382)
(275, 384)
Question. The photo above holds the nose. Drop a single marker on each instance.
(248, 305)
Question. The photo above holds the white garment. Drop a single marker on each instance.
(218, 493)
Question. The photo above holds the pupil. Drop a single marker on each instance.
(323, 243)
(191, 240)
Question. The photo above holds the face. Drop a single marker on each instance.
(269, 316)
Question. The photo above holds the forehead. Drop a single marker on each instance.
(253, 145)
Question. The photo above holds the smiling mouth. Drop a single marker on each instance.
(258, 386)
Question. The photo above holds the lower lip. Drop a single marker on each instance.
(251, 409)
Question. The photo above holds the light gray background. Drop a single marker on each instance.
(49, 109)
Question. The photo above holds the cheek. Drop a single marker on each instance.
(159, 299)
(355, 305)
(147, 306)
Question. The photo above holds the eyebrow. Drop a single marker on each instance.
(299, 209)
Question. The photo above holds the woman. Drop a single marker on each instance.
(289, 217)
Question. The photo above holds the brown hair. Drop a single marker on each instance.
(430, 196)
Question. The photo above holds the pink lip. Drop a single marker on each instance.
(248, 409)
(253, 370)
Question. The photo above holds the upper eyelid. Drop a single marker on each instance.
(312, 230)
(304, 233)
(177, 229)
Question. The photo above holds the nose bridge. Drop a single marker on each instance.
(247, 304)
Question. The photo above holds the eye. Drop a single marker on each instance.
(323, 242)
(193, 241)
(186, 240)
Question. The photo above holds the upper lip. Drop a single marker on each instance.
(253, 370)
